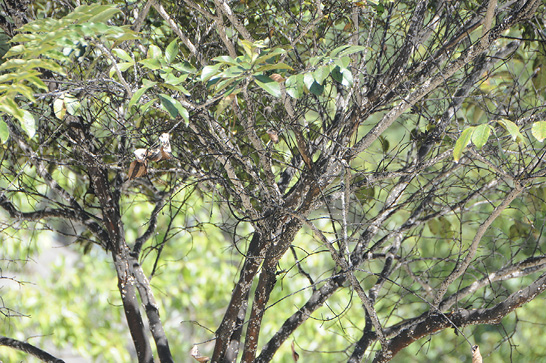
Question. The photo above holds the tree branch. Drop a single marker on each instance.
(30, 349)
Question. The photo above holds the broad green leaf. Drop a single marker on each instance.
(512, 129)
(4, 131)
(210, 71)
(177, 88)
(173, 107)
(184, 67)
(312, 85)
(226, 60)
(321, 73)
(295, 86)
(269, 85)
(227, 82)
(346, 50)
(270, 67)
(347, 80)
(153, 64)
(336, 74)
(539, 130)
(120, 53)
(481, 135)
(154, 52)
(121, 66)
(171, 52)
(231, 72)
(72, 104)
(264, 57)
(462, 143)
(28, 123)
(343, 62)
(139, 93)
(172, 79)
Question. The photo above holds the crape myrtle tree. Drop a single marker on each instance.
(399, 143)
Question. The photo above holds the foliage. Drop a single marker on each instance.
(338, 180)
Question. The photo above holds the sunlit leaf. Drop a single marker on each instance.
(173, 107)
(28, 123)
(269, 85)
(321, 73)
(154, 52)
(539, 130)
(59, 109)
(172, 51)
(139, 93)
(512, 129)
(481, 135)
(462, 142)
(210, 71)
(295, 86)
(120, 53)
(4, 131)
(345, 50)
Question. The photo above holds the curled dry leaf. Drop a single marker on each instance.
(142, 156)
(476, 356)
(194, 352)
(165, 142)
(295, 354)
(273, 135)
(277, 77)
(137, 169)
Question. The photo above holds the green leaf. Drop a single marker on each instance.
(276, 66)
(154, 52)
(266, 56)
(539, 130)
(184, 67)
(210, 71)
(232, 72)
(28, 123)
(481, 135)
(336, 74)
(121, 66)
(321, 73)
(312, 85)
(4, 131)
(271, 86)
(139, 93)
(153, 64)
(171, 52)
(226, 60)
(72, 104)
(347, 80)
(295, 86)
(173, 107)
(512, 129)
(461, 143)
(346, 50)
(343, 62)
(121, 54)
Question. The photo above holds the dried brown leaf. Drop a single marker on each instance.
(194, 352)
(476, 356)
(277, 77)
(137, 169)
(273, 136)
(295, 354)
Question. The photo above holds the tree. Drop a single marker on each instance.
(390, 152)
